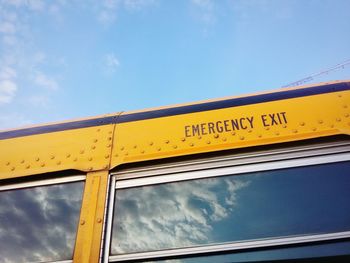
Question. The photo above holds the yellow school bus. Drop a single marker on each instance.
(257, 178)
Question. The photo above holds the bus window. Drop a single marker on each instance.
(38, 221)
(227, 209)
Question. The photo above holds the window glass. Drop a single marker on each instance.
(340, 250)
(277, 203)
(39, 223)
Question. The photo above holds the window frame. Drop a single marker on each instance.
(289, 157)
(47, 182)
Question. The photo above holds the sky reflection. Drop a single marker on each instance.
(293, 201)
(39, 224)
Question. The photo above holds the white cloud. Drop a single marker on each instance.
(45, 81)
(137, 4)
(109, 8)
(7, 73)
(7, 28)
(112, 61)
(8, 90)
(205, 11)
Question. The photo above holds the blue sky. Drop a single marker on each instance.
(69, 59)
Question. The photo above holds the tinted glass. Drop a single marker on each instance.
(40, 223)
(335, 250)
(285, 202)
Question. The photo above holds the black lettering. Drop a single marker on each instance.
(226, 125)
(279, 118)
(187, 131)
(219, 127)
(211, 127)
(284, 117)
(195, 130)
(251, 121)
(263, 118)
(235, 125)
(273, 121)
(203, 129)
(241, 122)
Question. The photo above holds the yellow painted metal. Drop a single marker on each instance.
(86, 149)
(87, 248)
(271, 122)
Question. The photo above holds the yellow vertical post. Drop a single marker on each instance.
(89, 236)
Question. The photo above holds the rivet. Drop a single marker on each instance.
(249, 131)
(42, 165)
(332, 125)
(105, 167)
(116, 155)
(284, 126)
(98, 130)
(224, 139)
(27, 166)
(150, 143)
(7, 163)
(142, 152)
(22, 161)
(37, 159)
(167, 141)
(68, 155)
(82, 151)
(233, 133)
(216, 136)
(99, 220)
(93, 147)
(110, 132)
(121, 148)
(75, 159)
(199, 137)
(259, 135)
(106, 156)
(277, 133)
(109, 138)
(174, 146)
(13, 168)
(95, 140)
(52, 157)
(208, 142)
(59, 163)
(314, 129)
(191, 144)
(345, 106)
(346, 115)
(90, 168)
(183, 139)
(338, 119)
(135, 146)
(295, 131)
(302, 123)
(339, 95)
(158, 149)
(241, 138)
(320, 121)
(82, 222)
(90, 159)
(126, 154)
(109, 145)
(267, 128)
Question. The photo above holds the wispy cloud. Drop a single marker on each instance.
(111, 62)
(45, 81)
(108, 9)
(8, 90)
(204, 10)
